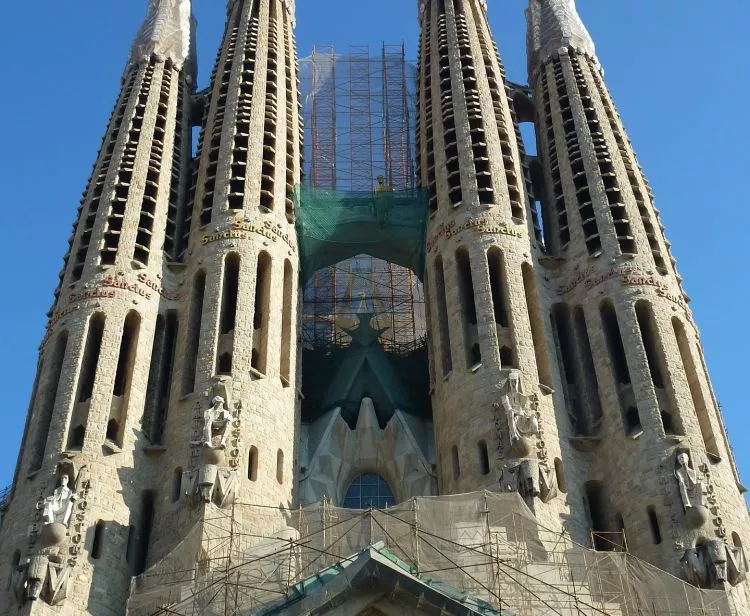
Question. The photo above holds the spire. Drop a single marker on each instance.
(552, 25)
(165, 33)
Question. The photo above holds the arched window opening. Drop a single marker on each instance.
(456, 463)
(87, 376)
(560, 476)
(468, 308)
(177, 484)
(285, 370)
(123, 377)
(657, 367)
(484, 458)
(369, 490)
(537, 327)
(280, 466)
(262, 312)
(48, 390)
(498, 286)
(654, 524)
(193, 333)
(696, 391)
(445, 338)
(252, 464)
(98, 542)
(160, 377)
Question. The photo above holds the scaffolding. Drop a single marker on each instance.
(483, 546)
(359, 111)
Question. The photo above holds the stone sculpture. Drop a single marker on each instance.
(59, 506)
(523, 423)
(692, 491)
(217, 423)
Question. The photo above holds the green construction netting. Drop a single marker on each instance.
(334, 225)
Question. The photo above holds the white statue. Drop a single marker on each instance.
(217, 422)
(522, 420)
(688, 480)
(59, 507)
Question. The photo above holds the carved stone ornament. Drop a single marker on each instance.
(58, 507)
(713, 564)
(532, 479)
(217, 423)
(523, 422)
(692, 491)
(210, 484)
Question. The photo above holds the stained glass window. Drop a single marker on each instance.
(369, 490)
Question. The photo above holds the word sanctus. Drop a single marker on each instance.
(480, 225)
(241, 228)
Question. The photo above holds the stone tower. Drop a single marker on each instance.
(636, 391)
(116, 286)
(237, 336)
(490, 348)
(165, 434)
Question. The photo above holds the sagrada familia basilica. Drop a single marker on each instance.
(547, 443)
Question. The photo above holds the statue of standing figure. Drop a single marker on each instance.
(523, 422)
(217, 422)
(692, 491)
(59, 506)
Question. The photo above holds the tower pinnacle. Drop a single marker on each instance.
(165, 33)
(553, 24)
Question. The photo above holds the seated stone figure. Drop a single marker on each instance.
(217, 422)
(523, 422)
(59, 506)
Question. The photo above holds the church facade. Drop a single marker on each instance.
(166, 453)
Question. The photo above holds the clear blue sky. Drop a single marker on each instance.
(677, 69)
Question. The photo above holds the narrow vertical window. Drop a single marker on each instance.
(574, 389)
(87, 375)
(262, 312)
(498, 286)
(560, 476)
(588, 372)
(123, 378)
(280, 466)
(630, 416)
(657, 367)
(49, 388)
(252, 464)
(696, 391)
(145, 527)
(160, 377)
(456, 463)
(445, 338)
(98, 543)
(286, 325)
(468, 308)
(614, 343)
(654, 524)
(484, 458)
(537, 327)
(597, 510)
(228, 314)
(176, 484)
(193, 333)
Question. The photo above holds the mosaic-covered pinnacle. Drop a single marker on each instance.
(165, 33)
(552, 25)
